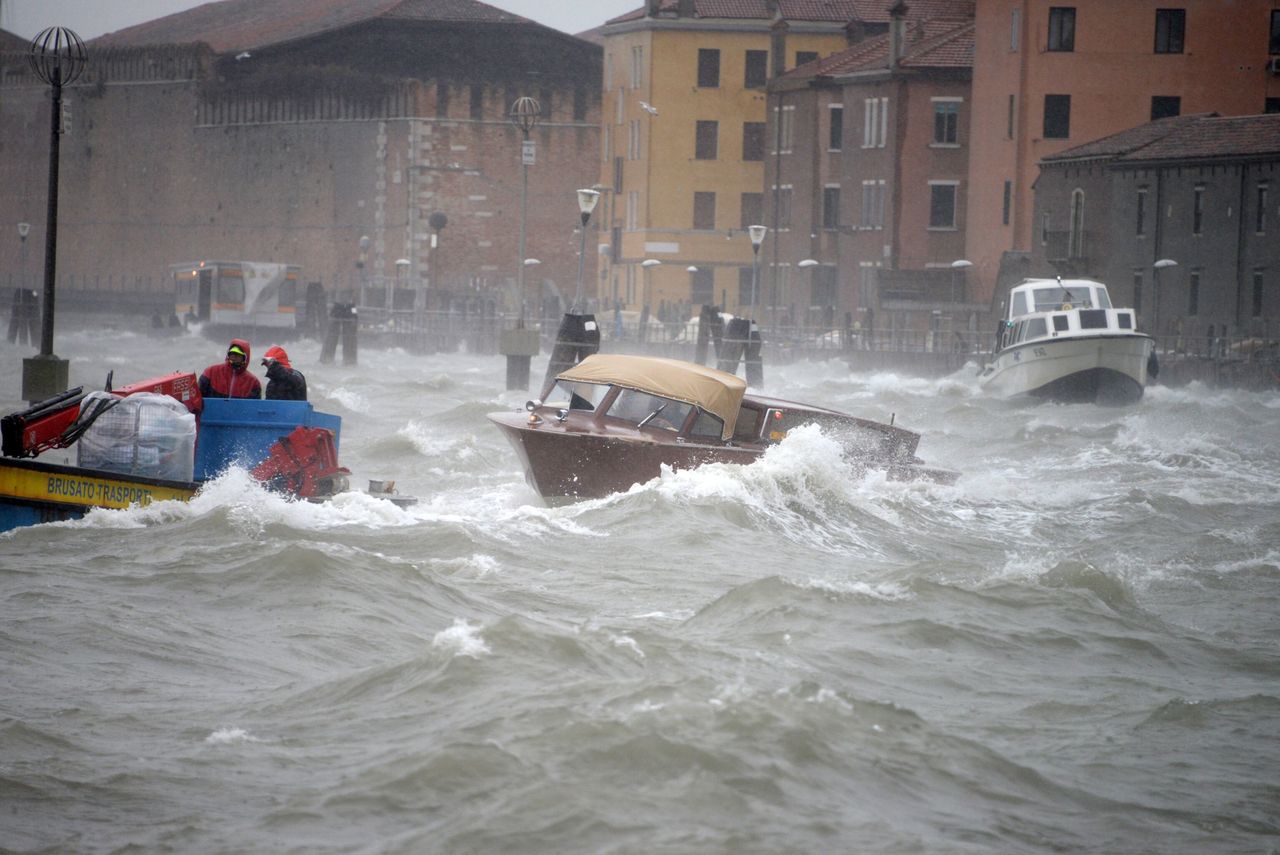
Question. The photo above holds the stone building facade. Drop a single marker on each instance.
(1179, 217)
(216, 134)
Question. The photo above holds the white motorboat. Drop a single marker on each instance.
(1062, 340)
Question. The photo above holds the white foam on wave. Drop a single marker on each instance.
(230, 736)
(461, 639)
(251, 507)
(350, 399)
(430, 443)
(889, 592)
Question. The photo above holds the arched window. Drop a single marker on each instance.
(1077, 224)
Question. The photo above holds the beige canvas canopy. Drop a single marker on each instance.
(717, 392)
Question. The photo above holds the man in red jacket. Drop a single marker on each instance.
(232, 378)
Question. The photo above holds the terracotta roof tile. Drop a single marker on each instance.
(232, 25)
(1216, 136)
(1126, 141)
(834, 11)
(930, 44)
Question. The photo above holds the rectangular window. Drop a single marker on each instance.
(782, 199)
(1171, 25)
(708, 68)
(942, 205)
(1273, 43)
(753, 140)
(704, 211)
(1193, 293)
(786, 128)
(835, 136)
(1013, 102)
(706, 139)
(633, 209)
(1008, 202)
(1044, 229)
(579, 104)
(757, 67)
(617, 174)
(1165, 106)
(703, 288)
(1057, 117)
(1015, 29)
(1271, 105)
(804, 57)
(752, 209)
(1197, 211)
(875, 122)
(633, 141)
(1257, 292)
(477, 101)
(946, 122)
(637, 66)
(871, 215)
(1260, 216)
(1062, 28)
(442, 100)
(830, 207)
(1140, 205)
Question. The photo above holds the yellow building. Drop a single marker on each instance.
(684, 140)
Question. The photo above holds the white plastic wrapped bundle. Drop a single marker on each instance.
(144, 434)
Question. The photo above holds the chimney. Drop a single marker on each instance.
(652, 8)
(778, 47)
(687, 9)
(897, 32)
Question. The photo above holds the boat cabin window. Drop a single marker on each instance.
(1037, 328)
(1020, 331)
(645, 410)
(1104, 299)
(748, 427)
(1124, 320)
(1060, 323)
(1019, 306)
(576, 396)
(1050, 299)
(707, 426)
(1093, 319)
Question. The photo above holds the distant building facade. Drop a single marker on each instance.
(1180, 217)
(1050, 75)
(873, 186)
(288, 132)
(684, 139)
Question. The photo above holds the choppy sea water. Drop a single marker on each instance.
(1074, 648)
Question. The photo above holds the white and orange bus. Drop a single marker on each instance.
(237, 293)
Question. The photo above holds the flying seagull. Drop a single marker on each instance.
(648, 108)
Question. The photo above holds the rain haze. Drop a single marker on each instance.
(92, 18)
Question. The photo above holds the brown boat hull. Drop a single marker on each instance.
(562, 460)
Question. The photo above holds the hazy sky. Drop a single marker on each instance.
(92, 18)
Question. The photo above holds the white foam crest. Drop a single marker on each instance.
(507, 513)
(429, 442)
(230, 736)
(889, 592)
(350, 399)
(477, 565)
(627, 642)
(461, 639)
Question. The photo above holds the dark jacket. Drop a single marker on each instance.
(285, 384)
(221, 381)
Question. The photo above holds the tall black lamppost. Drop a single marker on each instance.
(587, 200)
(525, 112)
(57, 57)
(1155, 296)
(756, 234)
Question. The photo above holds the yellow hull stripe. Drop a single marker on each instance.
(81, 490)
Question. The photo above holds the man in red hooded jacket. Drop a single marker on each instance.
(231, 378)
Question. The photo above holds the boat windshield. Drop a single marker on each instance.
(1053, 299)
(576, 396)
(645, 410)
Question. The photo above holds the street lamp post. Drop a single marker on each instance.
(1155, 296)
(959, 266)
(646, 303)
(525, 112)
(756, 234)
(808, 264)
(24, 229)
(587, 199)
(58, 58)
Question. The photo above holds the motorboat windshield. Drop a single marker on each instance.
(1058, 296)
(576, 395)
